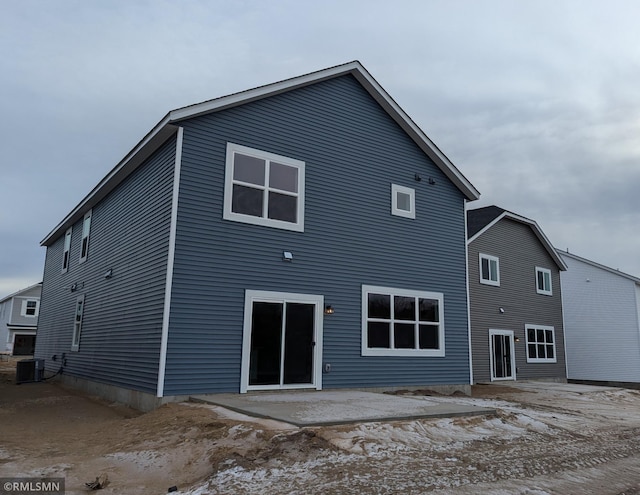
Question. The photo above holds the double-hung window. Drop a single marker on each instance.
(489, 270)
(400, 322)
(77, 323)
(66, 250)
(86, 229)
(541, 344)
(263, 188)
(30, 308)
(543, 281)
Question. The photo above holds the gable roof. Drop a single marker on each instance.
(598, 265)
(170, 123)
(18, 293)
(480, 220)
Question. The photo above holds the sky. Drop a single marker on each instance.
(537, 102)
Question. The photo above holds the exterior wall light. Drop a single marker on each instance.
(328, 310)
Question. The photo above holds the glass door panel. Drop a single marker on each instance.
(298, 343)
(266, 344)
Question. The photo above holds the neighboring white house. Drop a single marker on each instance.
(601, 322)
(19, 321)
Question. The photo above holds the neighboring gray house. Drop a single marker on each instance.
(602, 322)
(515, 298)
(303, 234)
(19, 321)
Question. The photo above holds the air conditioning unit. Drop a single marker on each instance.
(29, 371)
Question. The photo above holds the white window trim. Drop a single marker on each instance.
(543, 291)
(228, 214)
(66, 250)
(366, 351)
(77, 330)
(482, 256)
(526, 337)
(85, 235)
(252, 296)
(23, 309)
(510, 334)
(395, 189)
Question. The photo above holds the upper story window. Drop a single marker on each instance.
(489, 269)
(403, 201)
(543, 281)
(30, 308)
(262, 188)
(86, 229)
(399, 322)
(66, 250)
(541, 344)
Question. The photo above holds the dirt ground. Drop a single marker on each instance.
(542, 441)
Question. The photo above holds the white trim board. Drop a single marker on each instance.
(167, 127)
(170, 260)
(252, 296)
(536, 230)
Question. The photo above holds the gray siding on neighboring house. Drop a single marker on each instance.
(602, 323)
(16, 312)
(519, 251)
(121, 331)
(353, 153)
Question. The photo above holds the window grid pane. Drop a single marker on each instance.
(540, 344)
(393, 322)
(485, 269)
(489, 269)
(264, 189)
(249, 169)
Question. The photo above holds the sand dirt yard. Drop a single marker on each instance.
(561, 439)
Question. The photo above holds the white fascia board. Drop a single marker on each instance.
(249, 95)
(419, 137)
(158, 135)
(164, 129)
(21, 291)
(356, 69)
(598, 265)
(536, 230)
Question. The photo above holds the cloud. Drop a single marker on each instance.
(536, 102)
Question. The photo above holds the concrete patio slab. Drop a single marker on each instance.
(337, 407)
(543, 386)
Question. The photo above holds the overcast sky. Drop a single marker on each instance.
(537, 103)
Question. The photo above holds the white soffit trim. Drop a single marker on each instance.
(598, 265)
(152, 141)
(536, 230)
(356, 69)
(21, 291)
(164, 129)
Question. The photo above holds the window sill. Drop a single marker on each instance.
(403, 352)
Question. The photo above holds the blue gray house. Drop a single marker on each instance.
(303, 234)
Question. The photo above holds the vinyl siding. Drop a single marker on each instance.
(10, 311)
(16, 316)
(519, 251)
(353, 152)
(120, 339)
(601, 318)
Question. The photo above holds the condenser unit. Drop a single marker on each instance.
(29, 370)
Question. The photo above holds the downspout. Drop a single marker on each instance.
(466, 276)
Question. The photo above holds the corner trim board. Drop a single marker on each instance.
(170, 260)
